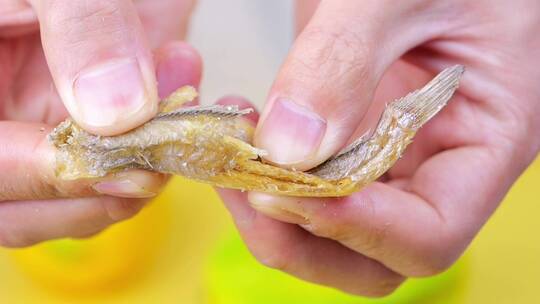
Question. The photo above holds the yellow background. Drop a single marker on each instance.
(163, 254)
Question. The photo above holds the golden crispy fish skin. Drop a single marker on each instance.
(211, 144)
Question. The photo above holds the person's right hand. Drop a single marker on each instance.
(95, 58)
(350, 59)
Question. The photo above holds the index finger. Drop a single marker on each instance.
(415, 227)
(28, 170)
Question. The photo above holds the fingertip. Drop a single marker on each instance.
(132, 184)
(177, 64)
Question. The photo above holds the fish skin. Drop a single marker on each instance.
(212, 144)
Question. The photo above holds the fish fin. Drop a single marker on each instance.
(213, 110)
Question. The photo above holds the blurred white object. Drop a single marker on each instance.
(243, 43)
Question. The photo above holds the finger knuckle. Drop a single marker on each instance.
(342, 225)
(333, 53)
(93, 19)
(373, 239)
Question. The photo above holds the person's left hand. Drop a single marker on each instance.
(47, 48)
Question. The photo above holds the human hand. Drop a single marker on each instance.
(98, 55)
(351, 58)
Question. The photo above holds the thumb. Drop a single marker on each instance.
(328, 80)
(100, 62)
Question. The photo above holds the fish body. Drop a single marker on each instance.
(212, 144)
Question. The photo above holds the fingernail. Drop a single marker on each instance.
(290, 133)
(123, 188)
(283, 209)
(174, 71)
(106, 93)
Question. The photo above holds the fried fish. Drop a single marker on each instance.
(212, 144)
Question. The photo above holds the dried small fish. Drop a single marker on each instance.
(211, 144)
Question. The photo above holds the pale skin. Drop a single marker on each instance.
(82, 43)
(349, 58)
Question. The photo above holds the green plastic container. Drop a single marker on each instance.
(235, 277)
